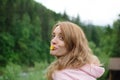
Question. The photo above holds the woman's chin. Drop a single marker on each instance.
(52, 53)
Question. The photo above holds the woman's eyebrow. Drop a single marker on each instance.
(60, 33)
(53, 32)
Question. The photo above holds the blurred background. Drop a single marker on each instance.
(25, 28)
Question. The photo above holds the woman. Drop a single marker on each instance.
(75, 60)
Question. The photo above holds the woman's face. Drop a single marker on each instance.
(58, 42)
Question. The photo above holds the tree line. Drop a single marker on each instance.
(25, 28)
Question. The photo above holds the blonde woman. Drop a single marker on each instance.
(75, 60)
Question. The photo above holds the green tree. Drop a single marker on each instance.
(116, 47)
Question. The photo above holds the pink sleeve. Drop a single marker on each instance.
(61, 76)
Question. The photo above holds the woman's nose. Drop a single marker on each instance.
(54, 40)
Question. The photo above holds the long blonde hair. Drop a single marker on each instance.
(79, 52)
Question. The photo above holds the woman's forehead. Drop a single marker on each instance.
(57, 29)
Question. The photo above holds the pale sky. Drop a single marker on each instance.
(98, 12)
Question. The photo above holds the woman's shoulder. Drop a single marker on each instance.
(67, 74)
(71, 74)
(93, 70)
(87, 72)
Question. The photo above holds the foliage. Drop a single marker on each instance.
(116, 46)
(16, 72)
(24, 31)
(11, 72)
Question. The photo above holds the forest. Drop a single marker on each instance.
(25, 33)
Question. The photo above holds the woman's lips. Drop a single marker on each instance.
(52, 47)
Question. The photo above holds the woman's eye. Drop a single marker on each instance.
(61, 38)
(53, 35)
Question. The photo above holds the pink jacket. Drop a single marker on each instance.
(87, 72)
